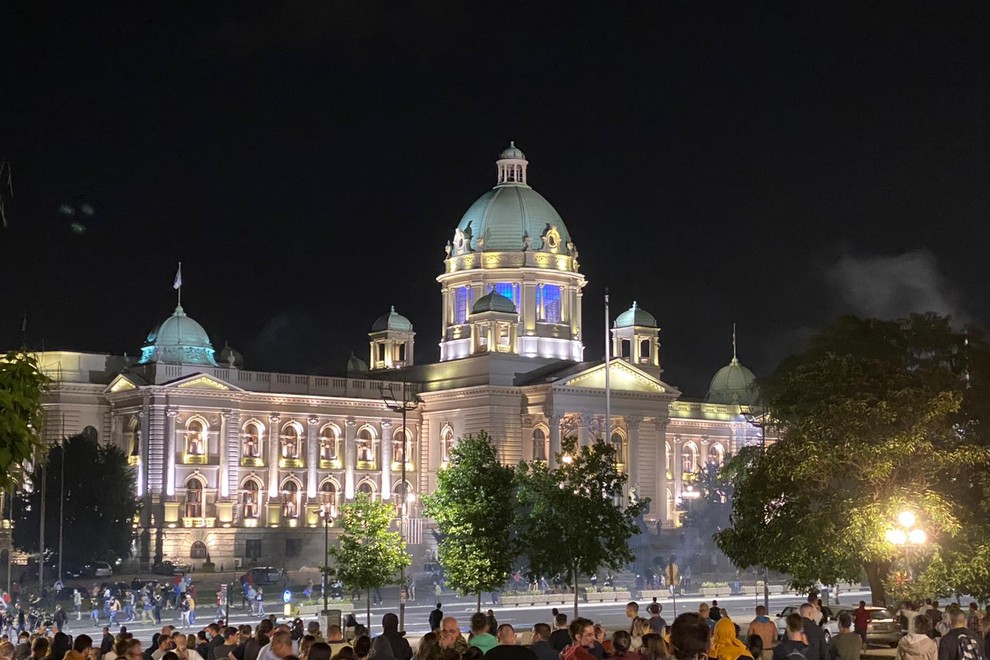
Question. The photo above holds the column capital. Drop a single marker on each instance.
(171, 411)
(229, 414)
(350, 422)
(633, 421)
(313, 420)
(274, 418)
(386, 424)
(661, 424)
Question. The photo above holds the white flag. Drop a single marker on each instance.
(177, 282)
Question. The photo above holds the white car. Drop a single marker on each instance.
(883, 628)
(828, 626)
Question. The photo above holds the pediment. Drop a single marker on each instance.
(203, 382)
(623, 377)
(121, 383)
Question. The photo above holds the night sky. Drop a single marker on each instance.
(307, 162)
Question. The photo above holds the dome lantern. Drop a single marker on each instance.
(178, 340)
(511, 165)
(391, 342)
(636, 339)
(733, 383)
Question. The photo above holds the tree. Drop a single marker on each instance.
(572, 521)
(368, 555)
(99, 505)
(875, 417)
(473, 506)
(709, 513)
(22, 386)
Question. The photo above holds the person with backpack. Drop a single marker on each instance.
(794, 646)
(960, 643)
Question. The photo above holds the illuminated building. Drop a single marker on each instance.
(237, 463)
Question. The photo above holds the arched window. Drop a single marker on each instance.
(365, 445)
(329, 438)
(289, 442)
(668, 460)
(196, 434)
(400, 494)
(328, 496)
(689, 458)
(198, 550)
(251, 440)
(367, 488)
(400, 441)
(90, 434)
(716, 454)
(670, 505)
(133, 441)
(619, 444)
(540, 449)
(446, 443)
(251, 499)
(194, 498)
(290, 499)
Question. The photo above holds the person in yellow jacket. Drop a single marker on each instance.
(725, 644)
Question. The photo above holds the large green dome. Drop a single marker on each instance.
(512, 217)
(178, 340)
(733, 383)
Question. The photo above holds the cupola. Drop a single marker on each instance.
(635, 339)
(391, 341)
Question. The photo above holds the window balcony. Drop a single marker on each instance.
(291, 463)
(252, 461)
(367, 465)
(397, 466)
(331, 464)
(195, 459)
(199, 522)
(133, 460)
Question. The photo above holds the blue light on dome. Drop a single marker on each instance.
(548, 303)
(508, 289)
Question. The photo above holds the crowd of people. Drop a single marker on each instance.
(706, 634)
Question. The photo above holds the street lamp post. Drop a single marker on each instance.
(907, 535)
(759, 422)
(327, 513)
(403, 406)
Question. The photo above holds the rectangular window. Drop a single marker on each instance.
(624, 348)
(293, 547)
(508, 289)
(402, 352)
(252, 548)
(548, 303)
(381, 352)
(462, 301)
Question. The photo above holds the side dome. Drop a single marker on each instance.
(392, 321)
(493, 302)
(511, 217)
(178, 340)
(230, 356)
(356, 365)
(733, 384)
(636, 316)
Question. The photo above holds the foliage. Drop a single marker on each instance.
(876, 417)
(368, 555)
(473, 506)
(710, 512)
(100, 503)
(22, 386)
(572, 521)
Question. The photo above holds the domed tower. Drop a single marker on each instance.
(391, 342)
(178, 340)
(636, 339)
(512, 241)
(733, 383)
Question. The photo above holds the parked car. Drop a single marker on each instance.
(883, 628)
(139, 582)
(97, 569)
(265, 575)
(828, 619)
(169, 567)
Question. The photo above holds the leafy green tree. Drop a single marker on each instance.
(709, 513)
(473, 506)
(875, 417)
(22, 386)
(572, 521)
(99, 505)
(368, 556)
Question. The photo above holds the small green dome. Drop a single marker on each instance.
(493, 302)
(392, 321)
(230, 356)
(512, 152)
(356, 365)
(636, 315)
(733, 383)
(178, 340)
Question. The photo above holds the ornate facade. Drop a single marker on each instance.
(242, 465)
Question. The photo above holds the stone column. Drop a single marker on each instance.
(661, 427)
(272, 458)
(223, 481)
(233, 441)
(171, 412)
(632, 452)
(555, 420)
(527, 438)
(350, 457)
(387, 459)
(583, 429)
(312, 456)
(144, 486)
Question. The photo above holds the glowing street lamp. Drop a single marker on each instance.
(907, 535)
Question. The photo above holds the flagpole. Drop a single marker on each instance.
(608, 358)
(178, 278)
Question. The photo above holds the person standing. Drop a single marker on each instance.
(480, 636)
(917, 644)
(959, 643)
(77, 603)
(508, 648)
(582, 633)
(657, 623)
(861, 620)
(813, 633)
(794, 645)
(847, 645)
(764, 627)
(436, 616)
